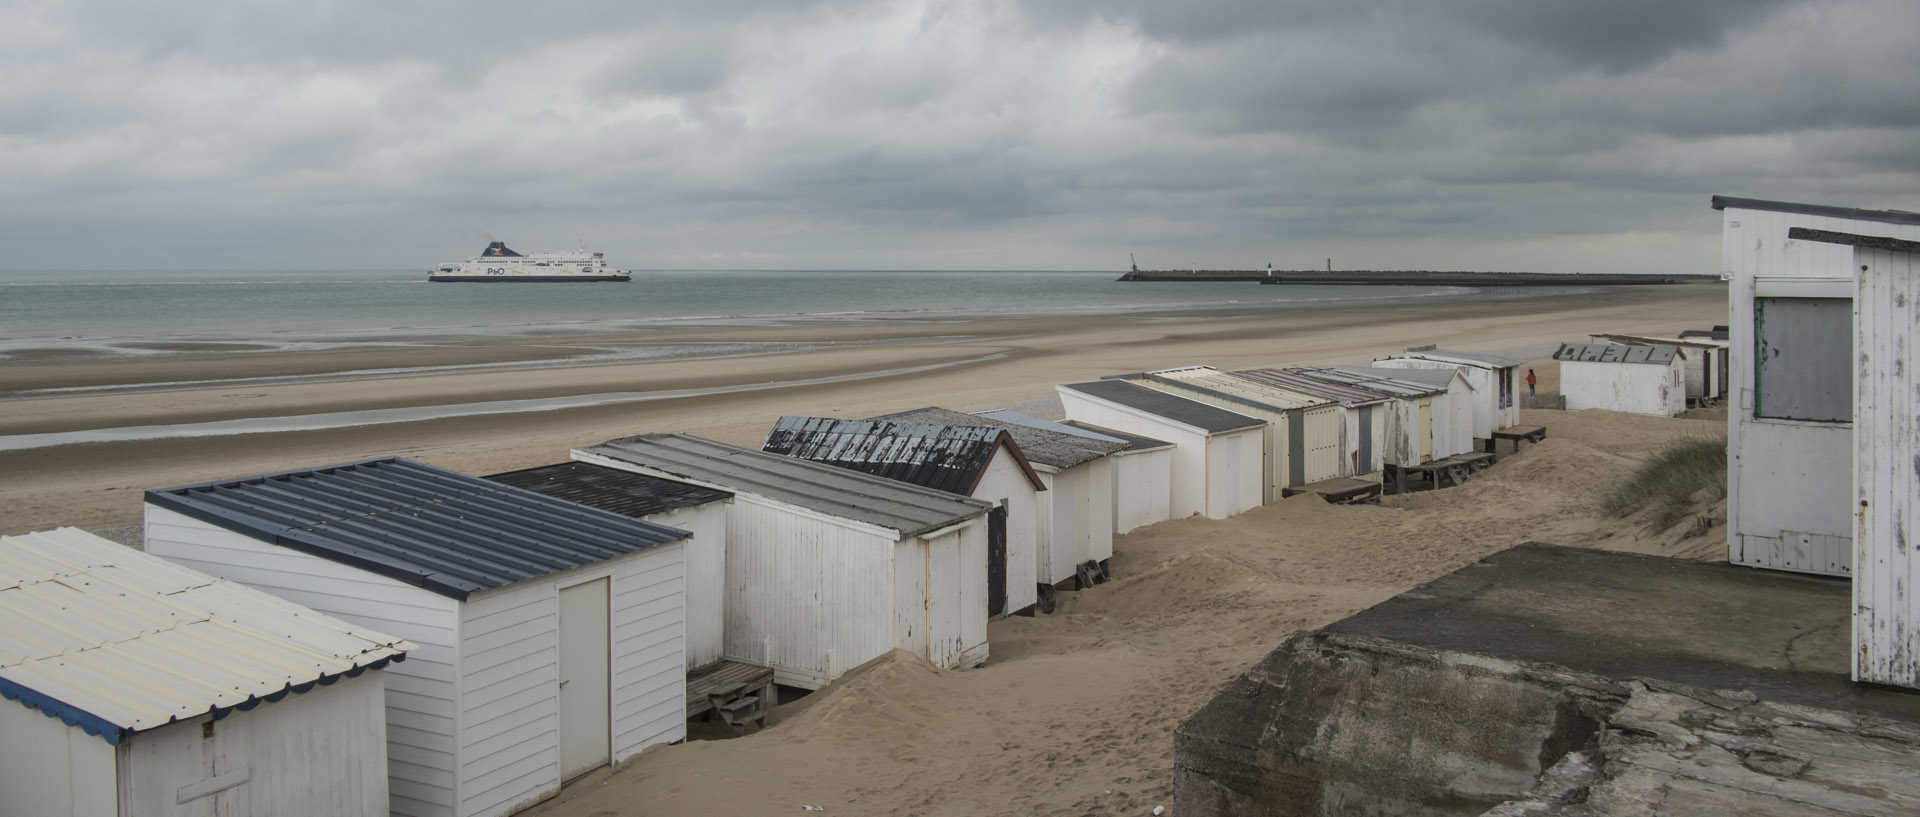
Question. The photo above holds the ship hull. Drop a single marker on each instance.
(525, 279)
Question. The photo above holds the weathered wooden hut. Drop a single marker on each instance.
(1492, 379)
(829, 568)
(1142, 471)
(147, 688)
(1425, 422)
(1627, 377)
(1790, 383)
(1363, 411)
(1886, 455)
(1075, 531)
(1305, 439)
(552, 637)
(1217, 453)
(969, 460)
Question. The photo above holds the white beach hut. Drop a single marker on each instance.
(829, 568)
(141, 687)
(551, 635)
(1790, 383)
(1217, 453)
(1142, 471)
(1076, 511)
(698, 510)
(1705, 362)
(969, 459)
(1430, 418)
(1886, 455)
(1364, 412)
(1627, 377)
(1305, 439)
(1492, 379)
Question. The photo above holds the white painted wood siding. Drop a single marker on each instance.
(1188, 478)
(1406, 442)
(419, 691)
(706, 564)
(1328, 453)
(318, 752)
(813, 598)
(1233, 480)
(1004, 480)
(1082, 510)
(1275, 442)
(956, 596)
(1886, 573)
(1789, 503)
(1635, 388)
(52, 769)
(1482, 392)
(1053, 552)
(1142, 488)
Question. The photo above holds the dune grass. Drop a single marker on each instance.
(1669, 481)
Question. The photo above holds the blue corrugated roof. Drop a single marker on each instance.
(450, 533)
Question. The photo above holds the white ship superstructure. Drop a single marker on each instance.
(498, 263)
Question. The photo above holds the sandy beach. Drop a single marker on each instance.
(1074, 712)
(972, 365)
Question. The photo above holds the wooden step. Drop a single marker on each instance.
(737, 704)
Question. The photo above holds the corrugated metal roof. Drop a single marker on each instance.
(1381, 380)
(1346, 394)
(1131, 442)
(909, 509)
(949, 458)
(114, 641)
(1057, 449)
(1134, 442)
(1269, 396)
(1650, 340)
(450, 533)
(611, 489)
(1179, 409)
(1615, 353)
(1886, 216)
(1470, 358)
(1436, 378)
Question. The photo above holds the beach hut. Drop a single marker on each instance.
(1790, 382)
(138, 687)
(1629, 377)
(1305, 439)
(1492, 379)
(551, 634)
(1705, 362)
(969, 460)
(1886, 455)
(698, 510)
(1431, 408)
(1142, 471)
(1075, 521)
(829, 568)
(1364, 413)
(1216, 453)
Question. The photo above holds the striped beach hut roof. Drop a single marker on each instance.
(115, 641)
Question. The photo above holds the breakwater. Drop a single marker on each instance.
(1417, 278)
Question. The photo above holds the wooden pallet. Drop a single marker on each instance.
(734, 693)
(1532, 434)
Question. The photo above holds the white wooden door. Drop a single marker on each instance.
(584, 677)
(1426, 429)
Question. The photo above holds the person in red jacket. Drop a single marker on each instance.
(1531, 380)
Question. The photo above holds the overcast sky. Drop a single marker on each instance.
(1048, 134)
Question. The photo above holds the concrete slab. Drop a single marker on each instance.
(1782, 636)
(1568, 682)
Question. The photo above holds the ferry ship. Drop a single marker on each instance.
(498, 263)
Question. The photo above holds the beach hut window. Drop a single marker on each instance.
(1801, 352)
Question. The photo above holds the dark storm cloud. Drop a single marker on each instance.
(915, 133)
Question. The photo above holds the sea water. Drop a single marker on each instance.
(127, 312)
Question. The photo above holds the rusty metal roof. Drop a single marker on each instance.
(1055, 448)
(116, 641)
(1616, 353)
(949, 458)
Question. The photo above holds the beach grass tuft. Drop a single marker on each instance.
(1672, 481)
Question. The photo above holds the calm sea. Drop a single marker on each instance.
(109, 309)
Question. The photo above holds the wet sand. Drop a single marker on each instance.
(990, 363)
